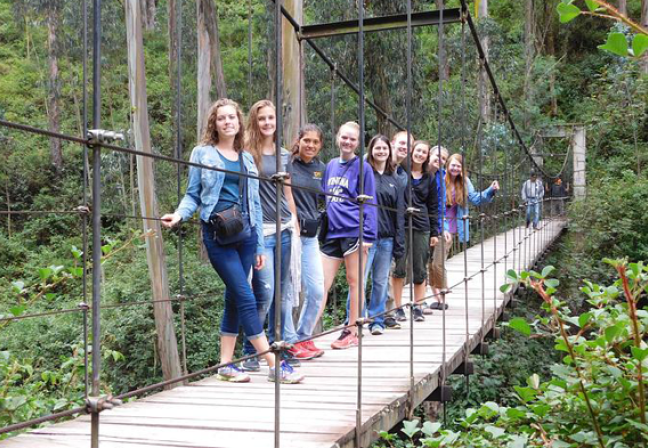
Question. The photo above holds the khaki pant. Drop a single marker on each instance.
(437, 276)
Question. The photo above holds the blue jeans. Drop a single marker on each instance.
(533, 208)
(378, 264)
(233, 264)
(263, 284)
(312, 276)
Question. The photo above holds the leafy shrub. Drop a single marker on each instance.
(596, 396)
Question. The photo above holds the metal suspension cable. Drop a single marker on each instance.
(494, 230)
(96, 224)
(278, 48)
(178, 155)
(84, 200)
(27, 128)
(484, 60)
(410, 210)
(83, 306)
(444, 373)
(481, 214)
(361, 298)
(465, 221)
(297, 27)
(249, 36)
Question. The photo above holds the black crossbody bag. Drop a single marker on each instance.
(232, 225)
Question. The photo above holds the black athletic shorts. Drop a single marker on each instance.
(339, 248)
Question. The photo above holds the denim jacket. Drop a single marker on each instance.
(475, 198)
(441, 194)
(205, 185)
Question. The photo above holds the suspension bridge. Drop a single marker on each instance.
(348, 396)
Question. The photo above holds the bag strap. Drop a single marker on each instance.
(243, 185)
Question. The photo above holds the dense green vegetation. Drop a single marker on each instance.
(570, 81)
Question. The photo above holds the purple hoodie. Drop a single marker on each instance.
(343, 216)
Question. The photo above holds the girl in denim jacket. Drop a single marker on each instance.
(214, 191)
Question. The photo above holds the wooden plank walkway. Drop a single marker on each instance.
(321, 412)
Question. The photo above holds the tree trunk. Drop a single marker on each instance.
(148, 10)
(444, 69)
(294, 104)
(551, 51)
(484, 95)
(209, 62)
(270, 65)
(529, 52)
(378, 80)
(173, 61)
(623, 7)
(53, 19)
(163, 313)
(643, 64)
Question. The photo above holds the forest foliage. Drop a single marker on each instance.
(563, 79)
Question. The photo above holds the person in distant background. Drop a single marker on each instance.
(532, 194)
(558, 195)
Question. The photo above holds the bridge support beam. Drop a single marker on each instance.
(465, 368)
(481, 349)
(371, 24)
(441, 394)
(579, 148)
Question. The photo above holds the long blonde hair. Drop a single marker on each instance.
(210, 134)
(458, 184)
(253, 136)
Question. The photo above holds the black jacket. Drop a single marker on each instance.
(424, 198)
(391, 222)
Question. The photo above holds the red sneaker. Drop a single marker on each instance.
(346, 340)
(300, 352)
(311, 347)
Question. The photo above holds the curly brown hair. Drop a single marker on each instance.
(210, 134)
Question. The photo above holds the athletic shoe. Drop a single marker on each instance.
(310, 345)
(438, 306)
(376, 329)
(391, 323)
(418, 314)
(427, 309)
(251, 365)
(400, 315)
(346, 340)
(299, 351)
(287, 374)
(290, 359)
(232, 374)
